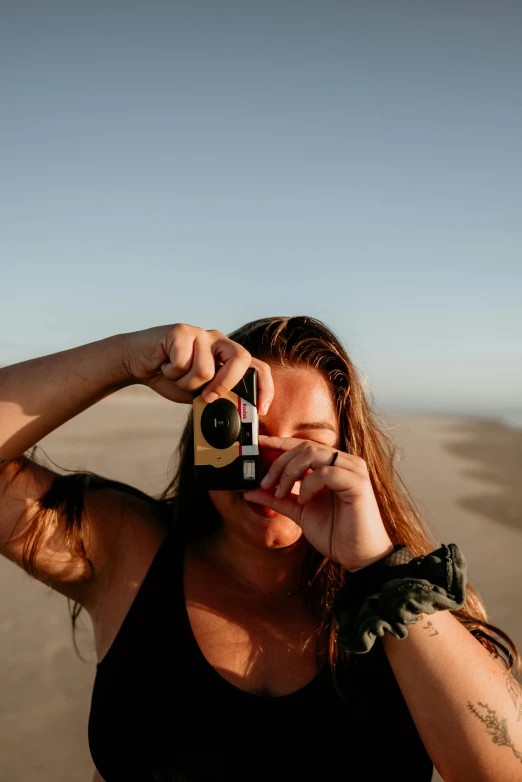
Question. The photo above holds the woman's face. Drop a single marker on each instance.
(303, 408)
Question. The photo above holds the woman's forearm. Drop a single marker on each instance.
(39, 395)
(466, 707)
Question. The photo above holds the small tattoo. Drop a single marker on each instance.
(513, 687)
(429, 626)
(496, 727)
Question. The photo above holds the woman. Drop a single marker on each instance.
(227, 645)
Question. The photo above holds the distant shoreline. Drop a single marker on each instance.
(139, 393)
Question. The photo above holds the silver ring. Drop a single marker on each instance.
(336, 454)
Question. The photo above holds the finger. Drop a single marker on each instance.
(309, 460)
(202, 368)
(289, 506)
(180, 358)
(337, 479)
(280, 443)
(235, 362)
(277, 467)
(285, 444)
(299, 467)
(293, 465)
(265, 385)
(170, 390)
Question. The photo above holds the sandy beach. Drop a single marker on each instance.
(463, 472)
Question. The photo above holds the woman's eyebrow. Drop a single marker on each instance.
(309, 425)
(316, 425)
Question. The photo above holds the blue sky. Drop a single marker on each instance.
(214, 162)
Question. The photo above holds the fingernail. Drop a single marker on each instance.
(210, 397)
(265, 480)
(277, 492)
(265, 408)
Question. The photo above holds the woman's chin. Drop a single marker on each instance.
(266, 527)
(271, 529)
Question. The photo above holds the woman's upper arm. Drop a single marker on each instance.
(23, 483)
(31, 528)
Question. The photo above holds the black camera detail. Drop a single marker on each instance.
(246, 434)
(220, 424)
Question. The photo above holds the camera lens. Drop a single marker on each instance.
(220, 424)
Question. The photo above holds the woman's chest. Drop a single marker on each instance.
(258, 652)
(265, 648)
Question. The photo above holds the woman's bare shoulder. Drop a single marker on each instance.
(75, 527)
(126, 557)
(123, 534)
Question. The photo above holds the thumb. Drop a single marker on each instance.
(168, 389)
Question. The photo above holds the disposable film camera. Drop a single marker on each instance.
(226, 449)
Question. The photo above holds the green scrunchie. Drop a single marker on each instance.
(434, 582)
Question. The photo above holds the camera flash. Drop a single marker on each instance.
(249, 470)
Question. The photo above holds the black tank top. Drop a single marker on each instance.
(161, 713)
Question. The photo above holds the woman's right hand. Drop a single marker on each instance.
(176, 360)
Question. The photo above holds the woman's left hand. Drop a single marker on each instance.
(336, 506)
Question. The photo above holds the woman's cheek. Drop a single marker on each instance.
(222, 500)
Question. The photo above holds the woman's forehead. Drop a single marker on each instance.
(304, 390)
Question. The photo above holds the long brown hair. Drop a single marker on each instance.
(305, 341)
(294, 342)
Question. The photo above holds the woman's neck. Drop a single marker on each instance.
(267, 572)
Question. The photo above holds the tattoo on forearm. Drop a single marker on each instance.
(515, 693)
(513, 687)
(429, 626)
(496, 727)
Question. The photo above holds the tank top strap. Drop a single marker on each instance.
(161, 587)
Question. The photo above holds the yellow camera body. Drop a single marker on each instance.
(226, 444)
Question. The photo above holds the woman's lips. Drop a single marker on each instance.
(261, 510)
